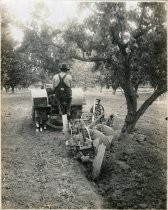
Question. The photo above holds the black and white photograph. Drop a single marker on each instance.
(83, 104)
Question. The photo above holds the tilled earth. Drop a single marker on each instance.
(38, 173)
(36, 170)
(134, 171)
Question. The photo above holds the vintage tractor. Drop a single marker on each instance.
(46, 112)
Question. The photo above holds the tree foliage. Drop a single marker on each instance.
(9, 61)
(16, 68)
(36, 57)
(130, 44)
(43, 44)
(82, 75)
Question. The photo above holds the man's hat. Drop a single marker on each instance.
(64, 67)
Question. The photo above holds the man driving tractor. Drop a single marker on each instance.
(61, 86)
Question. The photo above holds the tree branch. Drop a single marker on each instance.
(149, 101)
(89, 59)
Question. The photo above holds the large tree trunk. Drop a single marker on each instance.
(132, 115)
(131, 100)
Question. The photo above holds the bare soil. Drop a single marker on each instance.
(38, 173)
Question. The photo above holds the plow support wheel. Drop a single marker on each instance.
(98, 160)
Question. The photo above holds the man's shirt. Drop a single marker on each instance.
(56, 80)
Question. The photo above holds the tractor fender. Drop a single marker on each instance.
(39, 98)
(78, 97)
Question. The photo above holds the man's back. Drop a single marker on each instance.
(67, 79)
(62, 89)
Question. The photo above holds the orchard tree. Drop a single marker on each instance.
(6, 48)
(38, 46)
(37, 57)
(10, 75)
(131, 43)
(40, 40)
(29, 73)
(16, 68)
